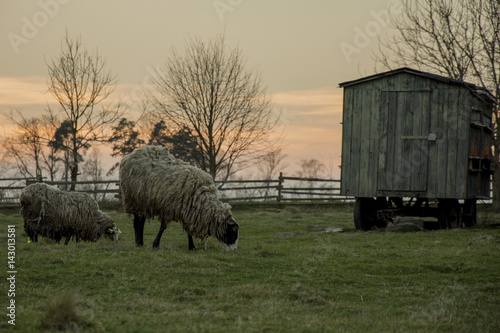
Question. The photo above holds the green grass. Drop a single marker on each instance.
(285, 276)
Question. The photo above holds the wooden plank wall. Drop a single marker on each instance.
(379, 111)
(345, 173)
(360, 128)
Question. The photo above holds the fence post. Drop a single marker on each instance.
(280, 186)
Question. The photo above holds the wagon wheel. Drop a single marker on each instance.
(449, 214)
(470, 213)
(365, 210)
(454, 216)
(362, 213)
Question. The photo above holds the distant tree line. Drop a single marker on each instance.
(125, 138)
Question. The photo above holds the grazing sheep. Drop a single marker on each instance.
(154, 183)
(52, 213)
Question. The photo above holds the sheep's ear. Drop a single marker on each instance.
(233, 224)
(110, 230)
(119, 231)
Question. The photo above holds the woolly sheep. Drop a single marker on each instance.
(154, 183)
(52, 213)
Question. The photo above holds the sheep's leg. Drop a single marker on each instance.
(33, 237)
(139, 221)
(191, 243)
(67, 240)
(156, 243)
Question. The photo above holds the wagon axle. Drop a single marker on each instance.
(371, 213)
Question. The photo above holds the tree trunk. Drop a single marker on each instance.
(74, 175)
(74, 167)
(212, 165)
(38, 169)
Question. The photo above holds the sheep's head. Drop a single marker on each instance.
(230, 236)
(113, 232)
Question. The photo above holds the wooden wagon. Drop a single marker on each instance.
(415, 144)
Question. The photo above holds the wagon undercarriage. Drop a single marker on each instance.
(372, 213)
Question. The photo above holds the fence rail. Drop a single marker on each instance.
(101, 190)
(281, 190)
(284, 189)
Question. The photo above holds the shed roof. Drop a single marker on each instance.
(482, 92)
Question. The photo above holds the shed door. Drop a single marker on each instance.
(403, 150)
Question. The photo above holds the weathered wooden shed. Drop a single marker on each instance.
(408, 133)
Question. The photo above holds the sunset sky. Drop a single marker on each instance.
(303, 49)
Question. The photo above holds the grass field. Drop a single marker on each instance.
(285, 276)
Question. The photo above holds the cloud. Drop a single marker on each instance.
(19, 91)
(327, 96)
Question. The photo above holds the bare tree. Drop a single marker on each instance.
(36, 143)
(26, 143)
(92, 170)
(311, 168)
(330, 166)
(80, 82)
(456, 38)
(427, 35)
(271, 163)
(208, 92)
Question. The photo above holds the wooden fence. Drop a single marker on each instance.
(101, 190)
(284, 189)
(281, 190)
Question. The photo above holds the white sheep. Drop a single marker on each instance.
(55, 214)
(154, 183)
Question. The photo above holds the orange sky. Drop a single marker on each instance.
(310, 119)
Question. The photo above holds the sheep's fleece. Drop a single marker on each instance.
(155, 183)
(52, 213)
